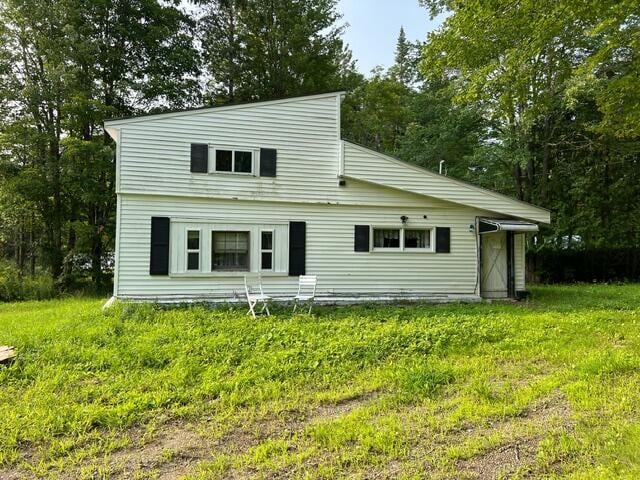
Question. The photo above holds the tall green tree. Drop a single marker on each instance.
(552, 80)
(254, 49)
(405, 67)
(376, 113)
(159, 72)
(377, 110)
(73, 64)
(438, 129)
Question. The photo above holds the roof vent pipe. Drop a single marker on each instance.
(441, 166)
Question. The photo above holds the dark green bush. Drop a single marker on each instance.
(14, 286)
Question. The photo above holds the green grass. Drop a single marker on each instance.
(550, 388)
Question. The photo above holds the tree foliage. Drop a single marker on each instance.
(552, 81)
(66, 65)
(254, 49)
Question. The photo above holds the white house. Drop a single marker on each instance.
(207, 195)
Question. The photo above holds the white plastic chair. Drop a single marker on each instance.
(306, 291)
(256, 295)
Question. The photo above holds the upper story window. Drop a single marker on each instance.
(234, 161)
(243, 160)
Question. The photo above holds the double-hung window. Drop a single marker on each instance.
(229, 251)
(193, 249)
(234, 161)
(266, 250)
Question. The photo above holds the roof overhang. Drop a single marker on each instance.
(409, 177)
(488, 225)
(113, 132)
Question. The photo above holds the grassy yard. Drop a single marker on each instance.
(550, 388)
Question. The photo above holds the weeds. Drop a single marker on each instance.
(371, 390)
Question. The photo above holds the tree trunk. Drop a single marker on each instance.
(518, 178)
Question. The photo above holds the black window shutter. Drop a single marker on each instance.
(268, 157)
(443, 240)
(159, 259)
(199, 157)
(361, 238)
(297, 248)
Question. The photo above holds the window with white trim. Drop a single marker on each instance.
(230, 251)
(219, 248)
(403, 239)
(266, 250)
(193, 250)
(386, 238)
(418, 239)
(233, 160)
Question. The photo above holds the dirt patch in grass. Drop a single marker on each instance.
(170, 454)
(330, 411)
(176, 447)
(287, 425)
(501, 461)
(14, 473)
(549, 414)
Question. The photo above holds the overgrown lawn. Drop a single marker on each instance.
(541, 389)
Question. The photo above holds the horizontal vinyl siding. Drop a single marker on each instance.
(370, 166)
(329, 246)
(155, 153)
(519, 261)
(154, 158)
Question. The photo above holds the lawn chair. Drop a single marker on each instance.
(255, 295)
(306, 291)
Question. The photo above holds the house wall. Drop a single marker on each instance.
(154, 156)
(329, 247)
(154, 179)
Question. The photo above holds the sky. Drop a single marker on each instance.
(373, 27)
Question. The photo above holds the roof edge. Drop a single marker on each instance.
(451, 179)
(227, 106)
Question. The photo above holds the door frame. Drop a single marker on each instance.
(510, 259)
(511, 271)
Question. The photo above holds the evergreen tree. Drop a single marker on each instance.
(254, 49)
(404, 69)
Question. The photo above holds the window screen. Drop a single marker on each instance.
(417, 239)
(386, 238)
(230, 250)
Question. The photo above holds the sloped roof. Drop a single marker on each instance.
(368, 165)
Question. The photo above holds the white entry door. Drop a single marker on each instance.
(494, 277)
